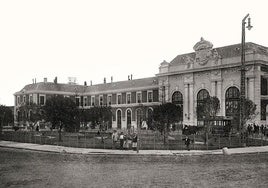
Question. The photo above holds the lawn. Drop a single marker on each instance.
(20, 168)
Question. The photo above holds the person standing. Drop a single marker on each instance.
(121, 139)
(114, 138)
(135, 142)
(187, 143)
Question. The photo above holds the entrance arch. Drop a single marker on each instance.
(128, 118)
(177, 99)
(232, 104)
(118, 119)
(139, 117)
(150, 118)
(201, 96)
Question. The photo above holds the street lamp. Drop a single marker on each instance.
(243, 70)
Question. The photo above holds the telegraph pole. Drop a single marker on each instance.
(243, 72)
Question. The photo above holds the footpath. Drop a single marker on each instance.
(90, 151)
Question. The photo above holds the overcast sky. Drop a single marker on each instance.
(91, 40)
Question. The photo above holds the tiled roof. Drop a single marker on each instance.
(50, 86)
(225, 52)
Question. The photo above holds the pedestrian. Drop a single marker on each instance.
(121, 139)
(187, 143)
(134, 142)
(114, 138)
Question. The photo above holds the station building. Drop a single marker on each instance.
(186, 81)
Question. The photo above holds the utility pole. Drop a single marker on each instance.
(243, 72)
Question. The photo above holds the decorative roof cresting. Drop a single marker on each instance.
(202, 45)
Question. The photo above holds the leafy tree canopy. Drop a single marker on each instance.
(61, 112)
(166, 114)
(6, 115)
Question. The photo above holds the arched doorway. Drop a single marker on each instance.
(139, 117)
(150, 118)
(118, 118)
(201, 96)
(128, 119)
(177, 99)
(232, 105)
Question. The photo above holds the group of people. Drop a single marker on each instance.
(257, 129)
(126, 141)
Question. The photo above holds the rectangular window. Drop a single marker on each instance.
(138, 97)
(92, 100)
(77, 101)
(101, 100)
(24, 99)
(31, 99)
(109, 100)
(128, 98)
(119, 99)
(42, 100)
(150, 96)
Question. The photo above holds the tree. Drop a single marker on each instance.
(6, 116)
(209, 108)
(250, 110)
(164, 115)
(97, 115)
(61, 112)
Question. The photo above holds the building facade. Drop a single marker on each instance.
(186, 81)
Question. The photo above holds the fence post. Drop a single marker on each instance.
(154, 140)
(194, 143)
(85, 144)
(219, 141)
(77, 140)
(207, 140)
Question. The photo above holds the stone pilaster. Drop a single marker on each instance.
(186, 104)
(220, 96)
(251, 89)
(191, 103)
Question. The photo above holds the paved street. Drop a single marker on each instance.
(25, 168)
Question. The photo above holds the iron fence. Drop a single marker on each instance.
(148, 140)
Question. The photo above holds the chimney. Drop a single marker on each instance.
(56, 80)
(104, 80)
(35, 80)
(131, 77)
(45, 80)
(85, 83)
(111, 79)
(128, 77)
(91, 82)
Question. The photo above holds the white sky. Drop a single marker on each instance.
(91, 40)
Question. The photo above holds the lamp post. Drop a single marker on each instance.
(243, 71)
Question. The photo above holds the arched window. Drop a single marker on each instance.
(118, 117)
(139, 117)
(128, 119)
(19, 116)
(201, 96)
(232, 102)
(150, 118)
(177, 99)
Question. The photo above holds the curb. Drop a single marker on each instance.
(64, 150)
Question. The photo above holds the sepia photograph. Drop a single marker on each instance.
(124, 93)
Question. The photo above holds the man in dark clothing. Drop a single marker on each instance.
(134, 142)
(187, 143)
